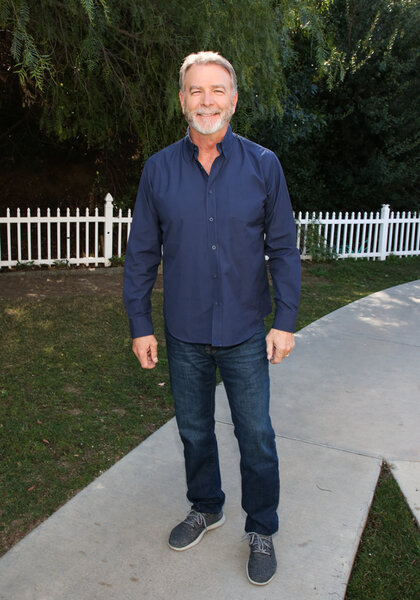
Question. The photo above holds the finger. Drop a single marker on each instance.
(151, 358)
(270, 348)
(146, 351)
(280, 353)
(292, 345)
(277, 358)
(284, 353)
(143, 357)
(153, 353)
(136, 351)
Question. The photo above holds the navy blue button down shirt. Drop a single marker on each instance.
(215, 231)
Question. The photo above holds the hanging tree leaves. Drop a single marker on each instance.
(107, 69)
(324, 83)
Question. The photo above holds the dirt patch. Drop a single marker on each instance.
(17, 530)
(37, 285)
(59, 283)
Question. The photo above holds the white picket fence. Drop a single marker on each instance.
(367, 235)
(64, 239)
(94, 239)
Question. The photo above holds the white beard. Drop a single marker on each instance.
(212, 126)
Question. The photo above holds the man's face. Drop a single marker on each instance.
(207, 100)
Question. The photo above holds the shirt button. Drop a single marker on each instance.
(210, 191)
(213, 247)
(214, 276)
(211, 219)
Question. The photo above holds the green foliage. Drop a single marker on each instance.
(21, 265)
(108, 69)
(117, 261)
(330, 85)
(315, 245)
(61, 263)
(373, 132)
(360, 125)
(30, 63)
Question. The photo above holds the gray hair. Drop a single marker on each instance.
(205, 58)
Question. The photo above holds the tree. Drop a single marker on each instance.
(102, 74)
(106, 70)
(357, 122)
(374, 137)
(324, 83)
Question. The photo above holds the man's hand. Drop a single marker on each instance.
(279, 345)
(145, 348)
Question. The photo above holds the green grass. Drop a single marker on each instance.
(73, 399)
(387, 566)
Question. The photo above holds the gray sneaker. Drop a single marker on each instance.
(262, 563)
(188, 533)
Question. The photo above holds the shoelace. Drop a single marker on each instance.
(258, 543)
(195, 518)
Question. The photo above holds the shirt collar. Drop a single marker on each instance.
(224, 146)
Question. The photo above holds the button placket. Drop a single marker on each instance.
(217, 337)
(211, 210)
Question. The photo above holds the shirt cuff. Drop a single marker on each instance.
(141, 326)
(285, 320)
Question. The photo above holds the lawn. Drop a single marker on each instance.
(73, 401)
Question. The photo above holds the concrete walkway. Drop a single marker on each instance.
(347, 398)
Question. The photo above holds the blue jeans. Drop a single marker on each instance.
(244, 370)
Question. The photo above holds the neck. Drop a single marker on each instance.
(207, 142)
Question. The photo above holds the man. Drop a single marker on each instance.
(218, 204)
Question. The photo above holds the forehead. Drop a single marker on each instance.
(210, 74)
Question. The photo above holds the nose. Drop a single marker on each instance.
(207, 98)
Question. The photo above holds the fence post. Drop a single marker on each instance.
(108, 229)
(383, 231)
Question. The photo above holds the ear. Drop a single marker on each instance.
(181, 99)
(235, 101)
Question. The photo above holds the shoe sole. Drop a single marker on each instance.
(218, 523)
(259, 582)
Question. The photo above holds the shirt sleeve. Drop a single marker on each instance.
(142, 258)
(281, 248)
